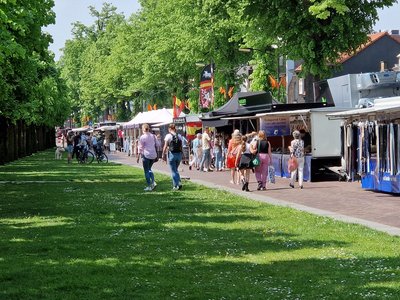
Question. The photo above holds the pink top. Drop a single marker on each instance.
(147, 145)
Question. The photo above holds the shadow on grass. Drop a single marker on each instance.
(110, 239)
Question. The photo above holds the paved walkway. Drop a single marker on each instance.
(344, 201)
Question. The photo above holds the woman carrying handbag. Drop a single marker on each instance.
(233, 148)
(263, 148)
(296, 149)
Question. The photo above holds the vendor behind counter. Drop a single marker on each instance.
(306, 137)
(280, 144)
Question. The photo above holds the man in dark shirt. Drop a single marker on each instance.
(306, 137)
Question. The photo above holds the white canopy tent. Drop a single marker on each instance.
(108, 127)
(81, 129)
(160, 116)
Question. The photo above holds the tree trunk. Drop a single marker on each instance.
(3, 140)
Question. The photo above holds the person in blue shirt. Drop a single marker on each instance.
(197, 152)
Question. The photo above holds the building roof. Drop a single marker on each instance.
(372, 38)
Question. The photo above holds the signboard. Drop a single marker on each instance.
(181, 120)
(243, 101)
(275, 126)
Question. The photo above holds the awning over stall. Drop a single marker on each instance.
(382, 106)
(81, 129)
(243, 103)
(159, 116)
(108, 127)
(215, 123)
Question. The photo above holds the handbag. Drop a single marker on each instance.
(230, 161)
(231, 158)
(271, 174)
(256, 159)
(292, 164)
(155, 146)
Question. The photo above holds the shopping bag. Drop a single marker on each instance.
(230, 161)
(256, 160)
(292, 164)
(271, 174)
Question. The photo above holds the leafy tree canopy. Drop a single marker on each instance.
(30, 88)
(124, 64)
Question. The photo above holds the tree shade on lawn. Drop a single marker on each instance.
(89, 231)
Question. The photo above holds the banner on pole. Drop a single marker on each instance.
(207, 86)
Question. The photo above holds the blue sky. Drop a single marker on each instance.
(70, 11)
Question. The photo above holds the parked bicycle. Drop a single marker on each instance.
(84, 156)
(101, 157)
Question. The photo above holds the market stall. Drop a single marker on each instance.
(158, 120)
(109, 136)
(321, 137)
(371, 144)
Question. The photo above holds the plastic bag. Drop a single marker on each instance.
(292, 164)
(271, 174)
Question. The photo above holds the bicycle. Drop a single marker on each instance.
(85, 156)
(101, 157)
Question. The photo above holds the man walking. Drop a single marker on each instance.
(206, 144)
(172, 153)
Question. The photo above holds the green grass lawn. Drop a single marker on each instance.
(90, 232)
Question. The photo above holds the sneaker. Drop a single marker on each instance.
(180, 187)
(148, 189)
(153, 185)
(175, 188)
(190, 167)
(291, 185)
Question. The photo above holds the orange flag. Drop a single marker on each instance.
(149, 107)
(282, 81)
(155, 107)
(230, 91)
(178, 106)
(273, 82)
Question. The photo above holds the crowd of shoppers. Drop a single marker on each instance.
(209, 152)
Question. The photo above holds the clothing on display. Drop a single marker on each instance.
(371, 151)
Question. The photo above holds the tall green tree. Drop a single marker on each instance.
(315, 31)
(84, 63)
(30, 88)
(121, 63)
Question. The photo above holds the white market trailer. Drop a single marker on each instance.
(324, 157)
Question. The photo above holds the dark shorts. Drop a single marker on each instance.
(245, 161)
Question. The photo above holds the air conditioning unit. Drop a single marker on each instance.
(368, 81)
